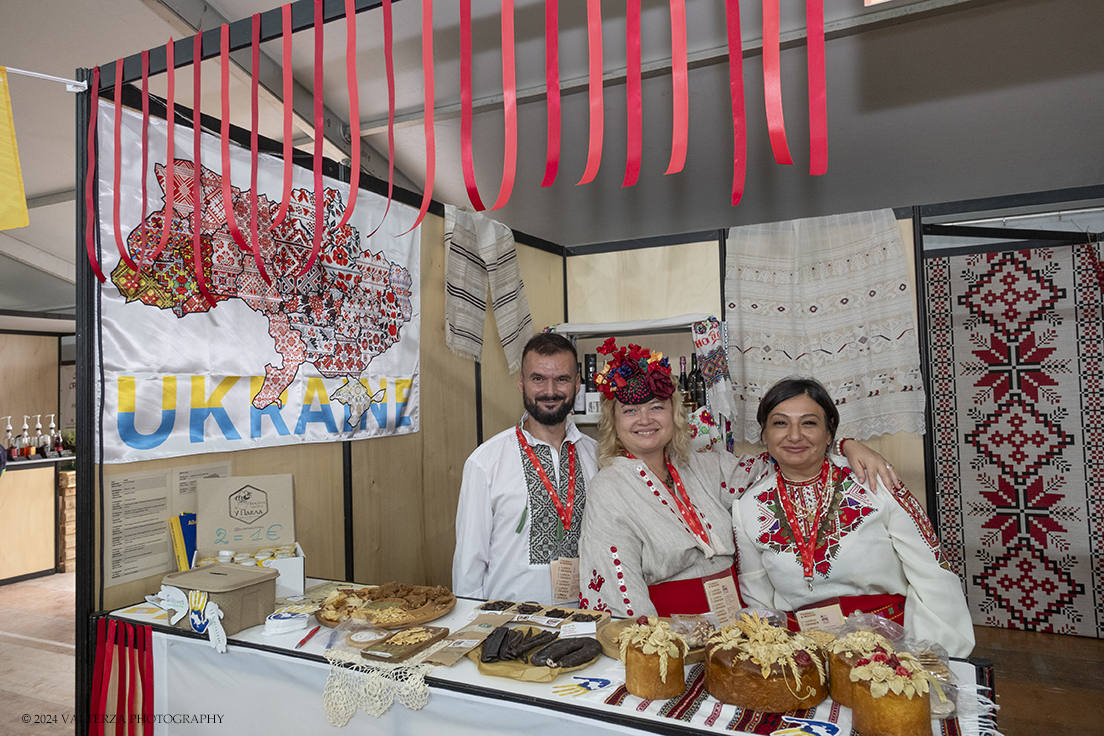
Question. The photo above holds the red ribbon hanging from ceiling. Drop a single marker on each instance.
(552, 88)
(254, 88)
(123, 252)
(289, 90)
(224, 139)
(736, 91)
(818, 89)
(90, 177)
(389, 64)
(197, 171)
(680, 91)
(772, 83)
(597, 112)
(509, 106)
(145, 149)
(319, 191)
(634, 115)
(168, 173)
(354, 102)
(466, 161)
(427, 123)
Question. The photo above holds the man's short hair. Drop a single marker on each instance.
(550, 343)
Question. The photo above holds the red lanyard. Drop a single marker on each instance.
(807, 547)
(682, 502)
(565, 513)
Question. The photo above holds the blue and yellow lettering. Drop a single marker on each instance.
(272, 411)
(316, 390)
(203, 407)
(128, 433)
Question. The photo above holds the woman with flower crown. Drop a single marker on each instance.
(657, 533)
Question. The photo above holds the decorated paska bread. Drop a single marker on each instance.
(653, 657)
(842, 655)
(756, 665)
(890, 696)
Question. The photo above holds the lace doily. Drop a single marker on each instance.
(354, 683)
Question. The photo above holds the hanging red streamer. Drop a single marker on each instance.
(90, 178)
(254, 88)
(116, 199)
(169, 172)
(389, 65)
(680, 89)
(509, 106)
(818, 89)
(224, 139)
(552, 88)
(736, 91)
(145, 149)
(467, 163)
(289, 90)
(597, 112)
(772, 83)
(197, 172)
(634, 114)
(319, 191)
(354, 101)
(427, 123)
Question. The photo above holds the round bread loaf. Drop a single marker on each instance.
(644, 680)
(741, 682)
(891, 714)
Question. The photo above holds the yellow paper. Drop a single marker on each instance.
(13, 199)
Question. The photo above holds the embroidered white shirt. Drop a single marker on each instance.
(507, 530)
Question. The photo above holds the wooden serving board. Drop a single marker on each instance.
(388, 651)
(385, 620)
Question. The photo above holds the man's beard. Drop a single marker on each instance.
(549, 418)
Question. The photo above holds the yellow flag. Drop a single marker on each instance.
(13, 200)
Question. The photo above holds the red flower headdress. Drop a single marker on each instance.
(634, 375)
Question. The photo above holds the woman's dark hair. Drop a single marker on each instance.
(793, 386)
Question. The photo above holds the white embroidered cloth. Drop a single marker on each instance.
(355, 683)
(829, 298)
(482, 255)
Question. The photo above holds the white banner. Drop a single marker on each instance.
(326, 356)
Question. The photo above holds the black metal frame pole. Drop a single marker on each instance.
(85, 590)
(925, 371)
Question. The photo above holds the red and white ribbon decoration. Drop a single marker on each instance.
(389, 63)
(197, 172)
(467, 163)
(427, 122)
(772, 83)
(680, 92)
(224, 139)
(289, 90)
(818, 91)
(552, 88)
(634, 115)
(145, 148)
(254, 84)
(594, 83)
(509, 107)
(116, 199)
(736, 91)
(169, 172)
(319, 190)
(90, 178)
(354, 104)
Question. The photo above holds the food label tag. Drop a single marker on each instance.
(820, 619)
(565, 580)
(720, 591)
(465, 644)
(578, 628)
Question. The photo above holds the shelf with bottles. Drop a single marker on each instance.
(671, 336)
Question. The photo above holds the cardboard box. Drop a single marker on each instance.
(246, 513)
(246, 595)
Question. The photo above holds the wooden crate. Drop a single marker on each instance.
(67, 479)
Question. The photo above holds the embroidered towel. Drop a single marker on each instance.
(482, 255)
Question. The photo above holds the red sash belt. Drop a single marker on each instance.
(886, 605)
(682, 596)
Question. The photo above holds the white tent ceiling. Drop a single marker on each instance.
(928, 101)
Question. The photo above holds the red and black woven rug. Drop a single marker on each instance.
(1017, 358)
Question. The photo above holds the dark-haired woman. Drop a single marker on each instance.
(814, 540)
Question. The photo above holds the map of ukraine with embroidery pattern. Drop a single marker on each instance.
(347, 309)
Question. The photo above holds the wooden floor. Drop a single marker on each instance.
(1047, 684)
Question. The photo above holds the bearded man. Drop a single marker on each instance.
(523, 491)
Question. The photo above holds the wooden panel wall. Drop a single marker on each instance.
(28, 379)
